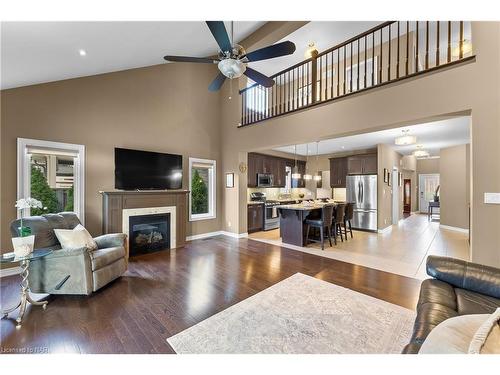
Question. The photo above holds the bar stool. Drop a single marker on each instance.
(338, 219)
(324, 222)
(348, 215)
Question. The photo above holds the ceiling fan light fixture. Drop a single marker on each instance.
(405, 139)
(311, 51)
(232, 68)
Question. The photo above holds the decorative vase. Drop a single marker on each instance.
(24, 231)
(23, 246)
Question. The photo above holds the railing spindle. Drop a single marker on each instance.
(438, 55)
(381, 56)
(364, 76)
(407, 46)
(373, 59)
(416, 49)
(389, 56)
(461, 41)
(397, 62)
(338, 72)
(357, 81)
(449, 42)
(427, 45)
(350, 73)
(344, 72)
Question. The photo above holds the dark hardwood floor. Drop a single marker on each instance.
(167, 292)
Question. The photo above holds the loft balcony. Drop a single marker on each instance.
(390, 52)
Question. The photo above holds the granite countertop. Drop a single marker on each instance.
(302, 207)
(255, 202)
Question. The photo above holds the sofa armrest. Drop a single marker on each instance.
(466, 275)
(111, 240)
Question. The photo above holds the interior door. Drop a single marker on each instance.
(427, 185)
(407, 196)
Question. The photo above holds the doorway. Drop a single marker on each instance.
(395, 195)
(427, 188)
(53, 173)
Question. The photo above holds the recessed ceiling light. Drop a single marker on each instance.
(82, 52)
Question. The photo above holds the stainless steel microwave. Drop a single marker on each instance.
(264, 180)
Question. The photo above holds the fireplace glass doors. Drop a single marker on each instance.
(149, 233)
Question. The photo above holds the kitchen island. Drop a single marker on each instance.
(292, 218)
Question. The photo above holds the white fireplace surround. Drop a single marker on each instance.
(128, 212)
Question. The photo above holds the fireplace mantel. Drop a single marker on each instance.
(115, 201)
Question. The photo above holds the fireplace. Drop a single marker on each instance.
(149, 233)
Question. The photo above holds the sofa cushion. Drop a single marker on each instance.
(71, 219)
(474, 303)
(102, 257)
(436, 291)
(429, 315)
(56, 221)
(453, 336)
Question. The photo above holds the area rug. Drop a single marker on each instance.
(300, 315)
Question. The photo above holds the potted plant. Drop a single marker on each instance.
(436, 194)
(24, 244)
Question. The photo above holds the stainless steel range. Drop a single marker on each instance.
(271, 214)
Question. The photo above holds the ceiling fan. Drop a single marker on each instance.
(233, 59)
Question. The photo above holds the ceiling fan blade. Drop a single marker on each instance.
(217, 82)
(191, 59)
(258, 77)
(276, 50)
(219, 32)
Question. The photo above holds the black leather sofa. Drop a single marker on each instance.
(457, 288)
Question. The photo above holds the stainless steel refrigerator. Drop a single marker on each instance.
(362, 191)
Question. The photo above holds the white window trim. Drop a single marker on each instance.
(24, 175)
(212, 203)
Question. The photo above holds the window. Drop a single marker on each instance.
(53, 173)
(257, 97)
(202, 177)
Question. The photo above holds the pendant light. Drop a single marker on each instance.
(405, 139)
(317, 176)
(420, 152)
(295, 173)
(307, 176)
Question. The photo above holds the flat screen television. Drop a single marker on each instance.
(145, 170)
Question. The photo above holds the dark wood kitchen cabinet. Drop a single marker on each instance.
(362, 164)
(252, 169)
(338, 172)
(260, 163)
(255, 218)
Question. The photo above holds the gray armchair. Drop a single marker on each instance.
(72, 271)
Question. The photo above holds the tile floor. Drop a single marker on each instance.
(401, 250)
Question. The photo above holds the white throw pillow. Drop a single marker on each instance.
(75, 238)
(454, 336)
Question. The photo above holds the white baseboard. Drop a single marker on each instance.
(386, 229)
(234, 235)
(213, 234)
(456, 229)
(10, 271)
(204, 235)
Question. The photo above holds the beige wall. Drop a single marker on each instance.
(470, 88)
(428, 166)
(164, 108)
(454, 181)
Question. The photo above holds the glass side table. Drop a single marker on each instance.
(25, 287)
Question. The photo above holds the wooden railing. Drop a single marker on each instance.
(387, 53)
